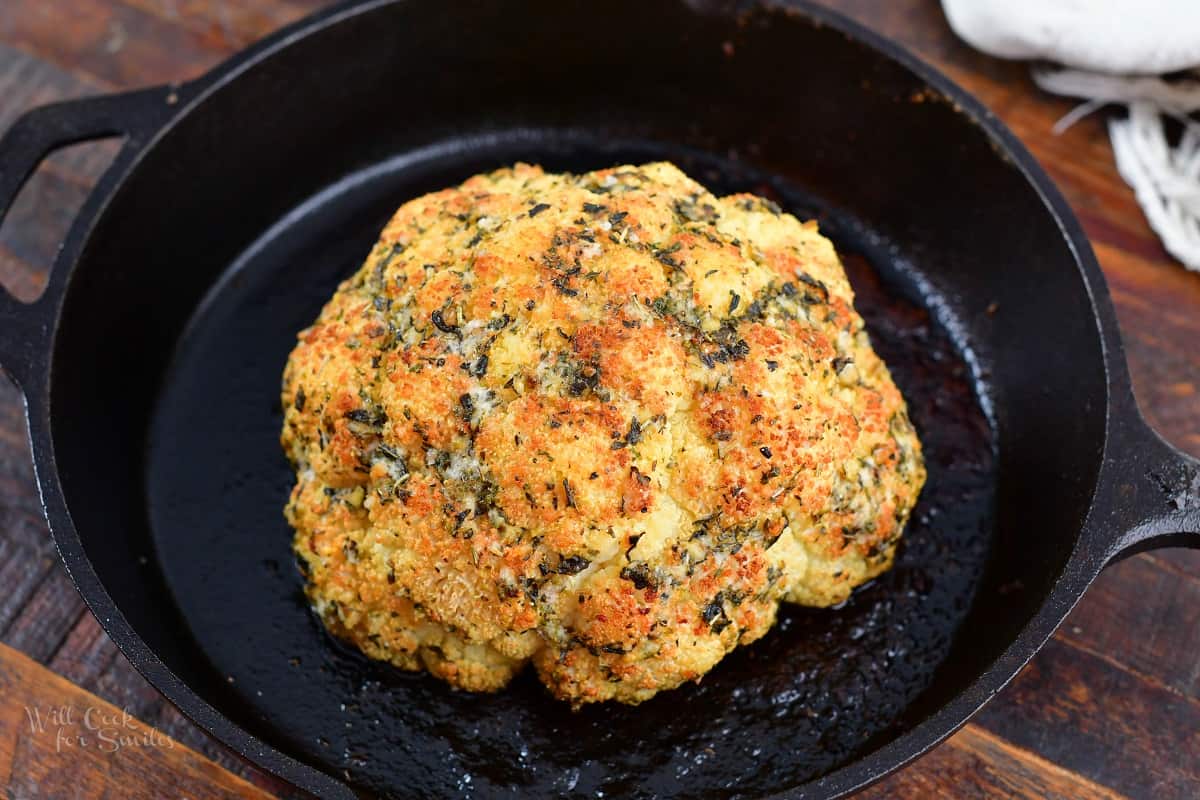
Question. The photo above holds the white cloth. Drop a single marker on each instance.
(1112, 47)
(1146, 37)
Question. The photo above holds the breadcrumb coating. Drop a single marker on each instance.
(604, 423)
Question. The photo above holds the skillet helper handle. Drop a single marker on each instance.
(1157, 492)
(134, 116)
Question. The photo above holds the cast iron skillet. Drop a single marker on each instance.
(151, 369)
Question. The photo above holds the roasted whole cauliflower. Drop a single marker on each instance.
(605, 423)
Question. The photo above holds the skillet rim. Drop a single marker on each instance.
(1080, 569)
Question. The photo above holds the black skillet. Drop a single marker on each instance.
(151, 367)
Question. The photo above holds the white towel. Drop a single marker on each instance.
(1111, 46)
(1146, 37)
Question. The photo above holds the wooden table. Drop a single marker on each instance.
(1111, 706)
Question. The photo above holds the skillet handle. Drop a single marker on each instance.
(135, 116)
(1154, 490)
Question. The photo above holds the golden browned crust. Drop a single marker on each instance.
(604, 423)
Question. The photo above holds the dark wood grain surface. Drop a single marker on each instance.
(60, 741)
(1110, 708)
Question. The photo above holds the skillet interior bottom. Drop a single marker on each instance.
(822, 687)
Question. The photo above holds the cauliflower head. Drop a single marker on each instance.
(604, 423)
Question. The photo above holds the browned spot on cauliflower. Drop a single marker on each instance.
(603, 423)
